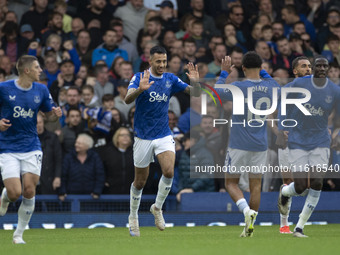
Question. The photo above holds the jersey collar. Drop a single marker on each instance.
(21, 88)
(154, 76)
(318, 87)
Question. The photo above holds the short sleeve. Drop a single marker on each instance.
(47, 101)
(134, 82)
(177, 84)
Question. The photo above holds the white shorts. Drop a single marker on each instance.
(283, 158)
(302, 160)
(240, 161)
(13, 165)
(144, 150)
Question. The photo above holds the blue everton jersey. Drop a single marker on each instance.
(151, 115)
(20, 106)
(251, 137)
(312, 130)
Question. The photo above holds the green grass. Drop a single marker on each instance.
(177, 240)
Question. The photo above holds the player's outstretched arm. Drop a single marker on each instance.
(54, 115)
(193, 75)
(144, 84)
(4, 124)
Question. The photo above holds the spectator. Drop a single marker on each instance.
(194, 154)
(290, 16)
(200, 40)
(109, 50)
(123, 43)
(333, 54)
(168, 40)
(61, 7)
(69, 133)
(262, 48)
(278, 30)
(266, 7)
(112, 5)
(77, 24)
(189, 51)
(102, 85)
(208, 22)
(285, 57)
(83, 47)
(72, 101)
(27, 32)
(65, 78)
(114, 72)
(191, 117)
(307, 47)
(97, 11)
(154, 28)
(118, 163)
(236, 17)
(82, 171)
(99, 119)
(12, 43)
(230, 39)
(236, 59)
(299, 28)
(208, 57)
(334, 73)
(37, 18)
(317, 12)
(142, 63)
(51, 161)
(168, 16)
(174, 66)
(177, 48)
(6, 64)
(88, 97)
(333, 18)
(119, 100)
(51, 68)
(55, 26)
(219, 52)
(132, 14)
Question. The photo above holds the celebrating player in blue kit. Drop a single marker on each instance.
(309, 142)
(152, 90)
(301, 67)
(247, 150)
(20, 151)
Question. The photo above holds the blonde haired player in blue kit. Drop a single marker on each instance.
(20, 150)
(152, 90)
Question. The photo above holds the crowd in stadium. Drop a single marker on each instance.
(90, 50)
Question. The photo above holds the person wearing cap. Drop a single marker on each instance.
(119, 100)
(167, 14)
(26, 31)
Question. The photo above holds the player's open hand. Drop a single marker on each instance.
(57, 111)
(226, 64)
(193, 74)
(4, 124)
(144, 81)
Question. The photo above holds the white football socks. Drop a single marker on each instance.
(25, 212)
(135, 196)
(242, 206)
(164, 188)
(311, 202)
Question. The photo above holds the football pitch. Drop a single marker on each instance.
(177, 240)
